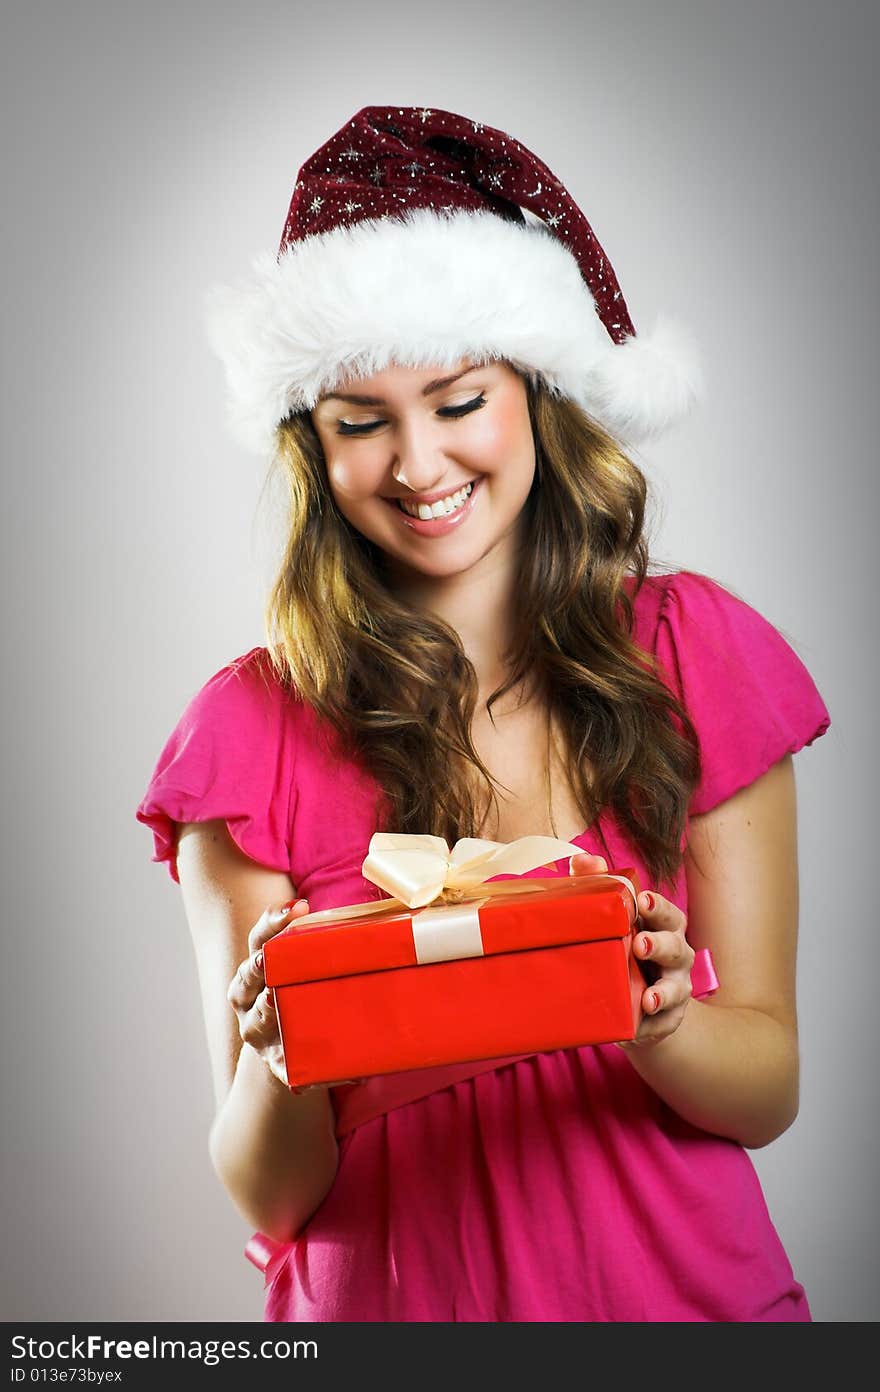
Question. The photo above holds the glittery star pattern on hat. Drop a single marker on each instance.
(407, 241)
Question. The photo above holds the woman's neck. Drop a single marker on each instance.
(479, 604)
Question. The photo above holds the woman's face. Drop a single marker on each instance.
(418, 437)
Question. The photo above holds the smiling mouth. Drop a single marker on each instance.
(423, 512)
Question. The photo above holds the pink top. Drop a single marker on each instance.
(558, 1187)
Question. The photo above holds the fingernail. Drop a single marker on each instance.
(286, 908)
(258, 961)
(655, 1001)
(647, 946)
(647, 902)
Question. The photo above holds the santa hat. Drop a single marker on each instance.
(418, 237)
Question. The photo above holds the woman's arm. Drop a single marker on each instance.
(274, 1151)
(731, 1067)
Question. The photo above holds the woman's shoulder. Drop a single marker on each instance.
(685, 592)
(255, 665)
(247, 684)
(241, 719)
(689, 616)
(748, 692)
(707, 635)
(233, 754)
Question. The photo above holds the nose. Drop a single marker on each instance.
(419, 463)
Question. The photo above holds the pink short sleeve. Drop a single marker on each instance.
(747, 692)
(229, 756)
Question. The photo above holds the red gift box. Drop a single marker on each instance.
(513, 968)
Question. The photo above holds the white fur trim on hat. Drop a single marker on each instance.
(427, 290)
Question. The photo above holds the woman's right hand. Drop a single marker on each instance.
(252, 1000)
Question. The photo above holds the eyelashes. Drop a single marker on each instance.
(453, 412)
(447, 413)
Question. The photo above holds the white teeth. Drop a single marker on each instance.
(441, 508)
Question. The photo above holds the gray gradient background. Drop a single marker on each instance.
(724, 155)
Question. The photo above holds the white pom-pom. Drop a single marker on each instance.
(640, 387)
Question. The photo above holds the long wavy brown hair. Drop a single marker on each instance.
(396, 687)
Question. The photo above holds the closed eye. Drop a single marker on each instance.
(447, 412)
(463, 410)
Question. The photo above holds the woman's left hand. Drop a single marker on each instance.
(661, 942)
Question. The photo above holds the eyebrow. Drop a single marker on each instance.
(358, 400)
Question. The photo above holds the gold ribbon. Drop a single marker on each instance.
(420, 870)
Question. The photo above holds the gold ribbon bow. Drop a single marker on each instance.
(419, 870)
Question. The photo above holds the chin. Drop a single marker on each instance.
(447, 567)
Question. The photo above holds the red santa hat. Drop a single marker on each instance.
(418, 237)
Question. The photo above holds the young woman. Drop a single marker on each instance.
(464, 640)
